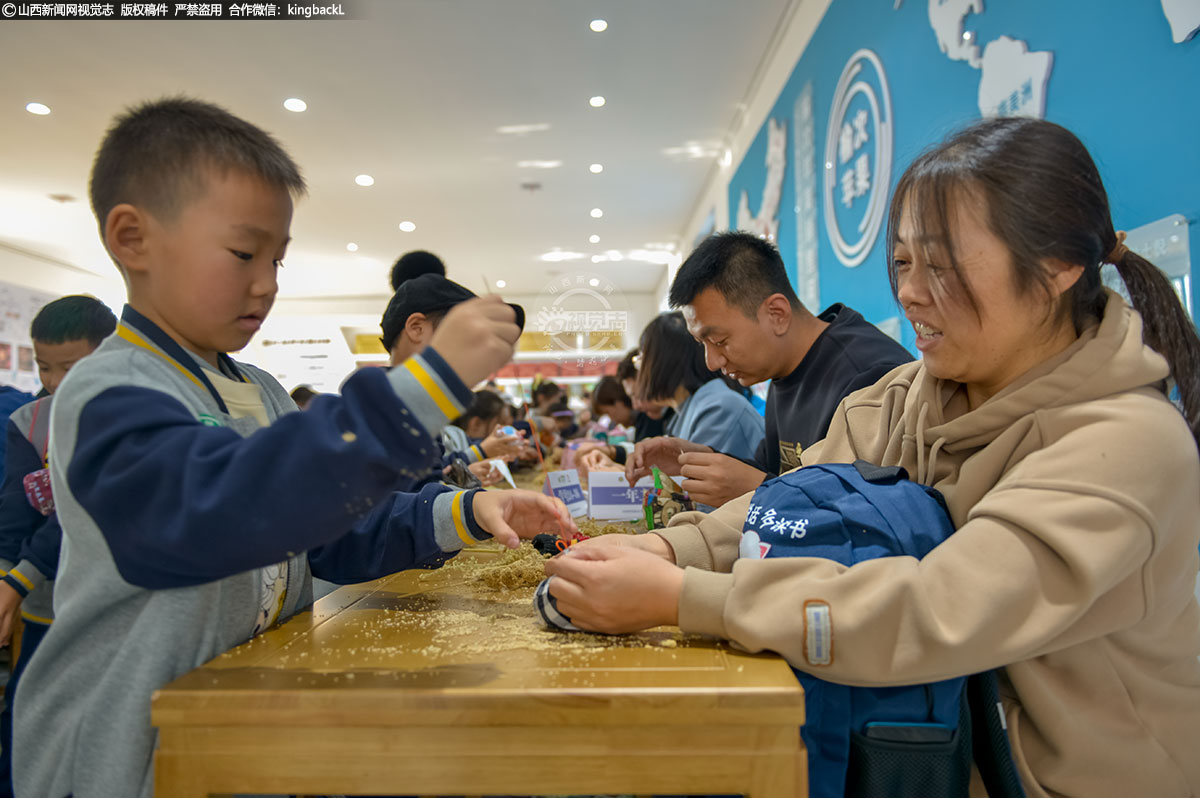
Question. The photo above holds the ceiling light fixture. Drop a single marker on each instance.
(521, 130)
(597, 213)
(593, 282)
(599, 25)
(538, 164)
(596, 101)
(365, 180)
(295, 104)
(407, 226)
(596, 168)
(352, 247)
(501, 284)
(593, 239)
(37, 108)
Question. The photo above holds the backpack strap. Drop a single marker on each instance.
(989, 736)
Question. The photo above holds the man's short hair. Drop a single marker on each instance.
(73, 318)
(743, 268)
(157, 155)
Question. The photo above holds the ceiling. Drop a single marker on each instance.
(413, 95)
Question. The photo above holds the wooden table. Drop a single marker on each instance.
(427, 682)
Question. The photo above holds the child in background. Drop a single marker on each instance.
(195, 502)
(63, 332)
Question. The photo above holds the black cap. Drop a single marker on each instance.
(428, 293)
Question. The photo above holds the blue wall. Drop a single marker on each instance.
(1118, 81)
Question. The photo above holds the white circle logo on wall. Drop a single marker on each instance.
(850, 172)
(582, 314)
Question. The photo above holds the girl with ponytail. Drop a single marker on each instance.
(1040, 409)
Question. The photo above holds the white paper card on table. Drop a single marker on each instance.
(500, 467)
(611, 498)
(565, 485)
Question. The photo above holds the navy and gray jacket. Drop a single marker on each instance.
(171, 508)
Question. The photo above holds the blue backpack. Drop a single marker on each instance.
(877, 742)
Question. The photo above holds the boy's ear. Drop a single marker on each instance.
(125, 232)
(414, 325)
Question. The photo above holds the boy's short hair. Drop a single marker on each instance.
(73, 318)
(743, 268)
(155, 156)
(414, 264)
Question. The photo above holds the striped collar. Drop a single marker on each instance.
(141, 332)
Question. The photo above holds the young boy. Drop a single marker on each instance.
(195, 504)
(64, 331)
(413, 315)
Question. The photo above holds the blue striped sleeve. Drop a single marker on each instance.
(180, 503)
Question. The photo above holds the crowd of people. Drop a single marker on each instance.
(174, 504)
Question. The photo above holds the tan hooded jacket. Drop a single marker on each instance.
(1076, 495)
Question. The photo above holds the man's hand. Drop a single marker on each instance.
(10, 609)
(477, 337)
(714, 479)
(615, 589)
(662, 452)
(513, 514)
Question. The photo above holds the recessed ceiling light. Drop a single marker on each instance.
(521, 130)
(365, 180)
(597, 258)
(501, 284)
(599, 25)
(593, 239)
(352, 247)
(37, 108)
(596, 168)
(295, 104)
(538, 164)
(596, 101)
(597, 213)
(407, 227)
(593, 282)
(556, 255)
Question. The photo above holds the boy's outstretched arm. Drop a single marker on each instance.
(424, 529)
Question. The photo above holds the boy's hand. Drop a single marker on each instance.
(615, 589)
(663, 452)
(10, 608)
(513, 514)
(477, 337)
(714, 479)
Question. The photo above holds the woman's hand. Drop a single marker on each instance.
(510, 515)
(615, 589)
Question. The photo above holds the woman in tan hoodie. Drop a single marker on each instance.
(1040, 409)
